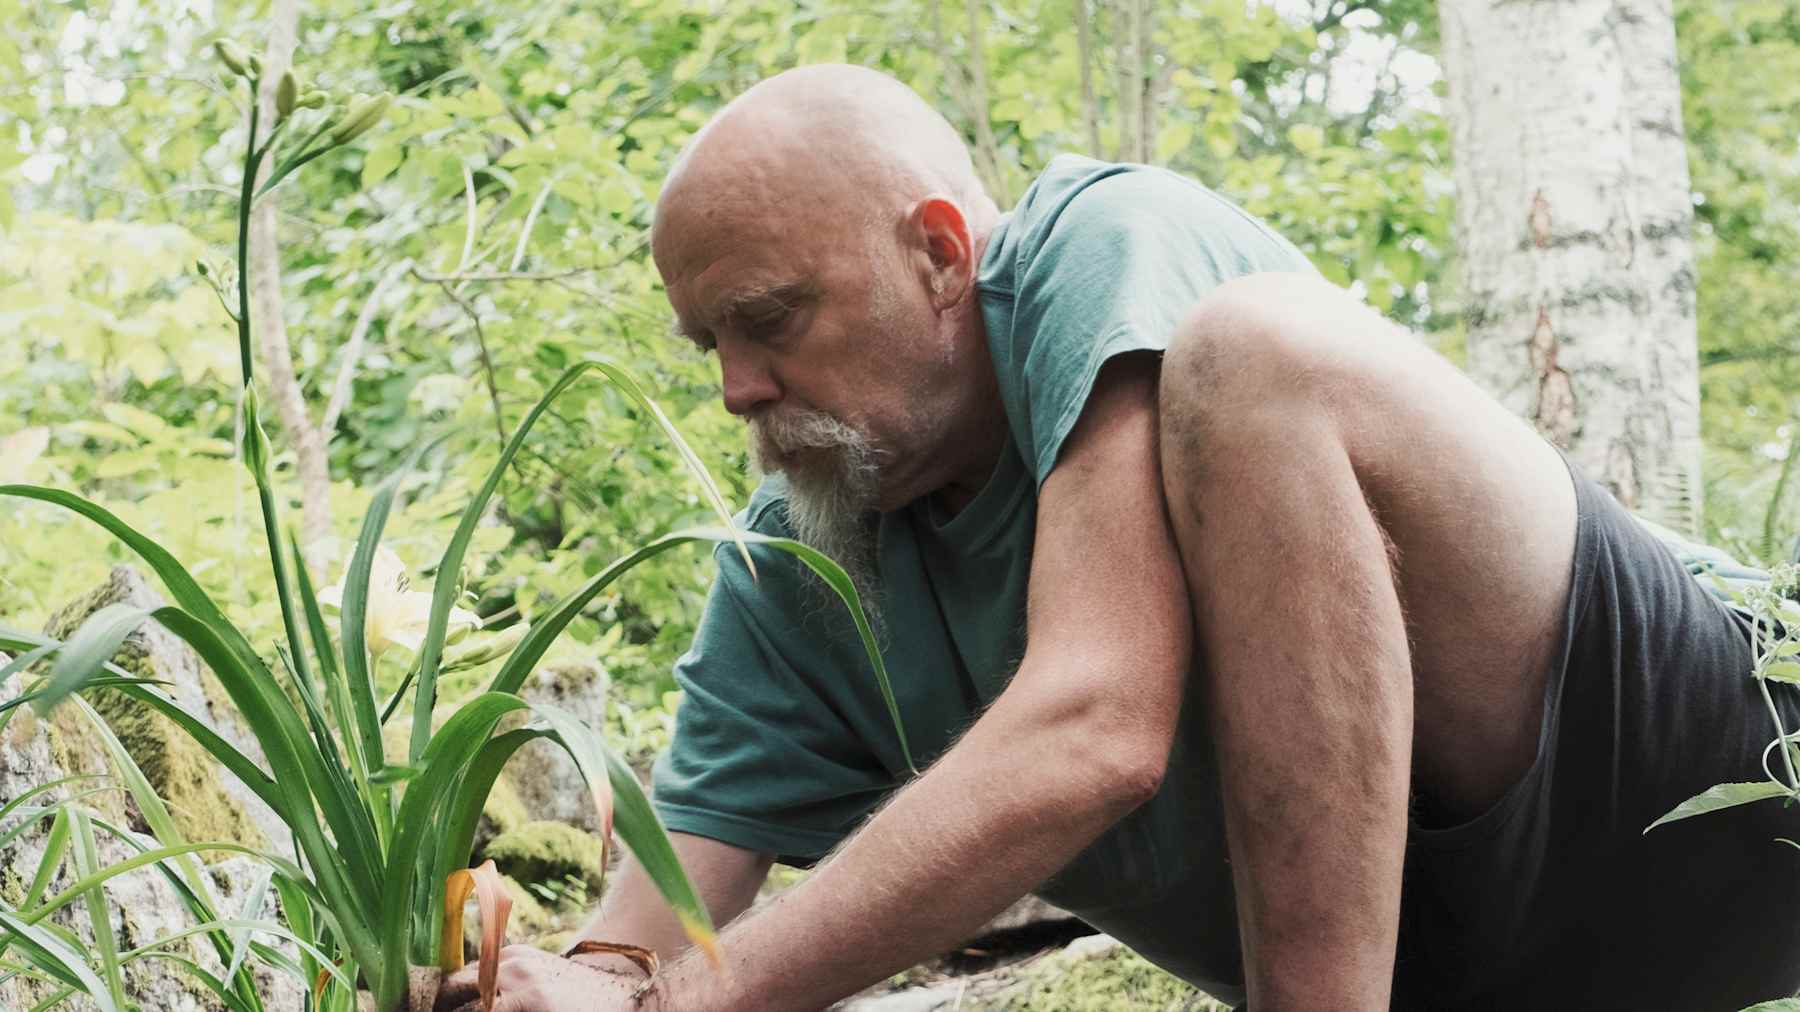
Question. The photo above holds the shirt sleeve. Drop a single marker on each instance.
(1111, 262)
(761, 757)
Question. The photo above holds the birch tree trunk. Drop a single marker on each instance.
(1574, 220)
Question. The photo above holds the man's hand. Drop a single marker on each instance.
(532, 980)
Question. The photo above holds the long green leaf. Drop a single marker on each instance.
(180, 584)
(629, 384)
(82, 657)
(106, 944)
(635, 821)
(448, 753)
(232, 1001)
(56, 844)
(1722, 796)
(543, 632)
(337, 693)
(345, 868)
(45, 951)
(449, 571)
(353, 627)
(450, 568)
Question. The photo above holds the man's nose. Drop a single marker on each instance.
(749, 382)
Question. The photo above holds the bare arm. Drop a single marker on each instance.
(1097, 694)
(726, 877)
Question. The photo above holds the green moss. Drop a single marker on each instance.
(546, 852)
(182, 773)
(503, 807)
(530, 918)
(1101, 982)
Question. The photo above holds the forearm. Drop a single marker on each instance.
(635, 912)
(1011, 804)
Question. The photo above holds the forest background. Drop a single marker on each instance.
(493, 230)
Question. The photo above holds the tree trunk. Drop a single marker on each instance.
(1574, 221)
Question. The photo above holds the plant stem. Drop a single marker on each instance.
(252, 156)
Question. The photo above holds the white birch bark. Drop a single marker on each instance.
(1574, 220)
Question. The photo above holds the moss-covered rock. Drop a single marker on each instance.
(186, 777)
(548, 852)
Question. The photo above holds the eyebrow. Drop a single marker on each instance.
(754, 298)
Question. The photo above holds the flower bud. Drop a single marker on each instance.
(287, 92)
(256, 442)
(313, 100)
(487, 648)
(362, 115)
(232, 57)
(255, 63)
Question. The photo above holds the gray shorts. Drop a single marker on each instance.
(1556, 898)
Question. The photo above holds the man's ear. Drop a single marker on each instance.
(945, 250)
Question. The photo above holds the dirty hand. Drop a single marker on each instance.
(532, 980)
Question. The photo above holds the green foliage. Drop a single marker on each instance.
(375, 843)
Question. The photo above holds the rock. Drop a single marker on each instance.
(142, 904)
(207, 802)
(548, 852)
(541, 775)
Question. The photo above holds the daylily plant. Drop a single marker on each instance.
(382, 846)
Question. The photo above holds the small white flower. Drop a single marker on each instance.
(397, 616)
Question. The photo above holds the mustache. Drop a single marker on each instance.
(799, 430)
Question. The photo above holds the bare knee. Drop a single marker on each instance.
(1251, 349)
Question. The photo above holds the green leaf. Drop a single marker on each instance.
(106, 944)
(380, 163)
(1783, 671)
(46, 952)
(84, 656)
(1722, 796)
(450, 567)
(1778, 1005)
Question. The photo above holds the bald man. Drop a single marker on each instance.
(1217, 609)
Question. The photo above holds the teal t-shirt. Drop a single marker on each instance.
(783, 743)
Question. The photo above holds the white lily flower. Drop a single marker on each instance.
(397, 616)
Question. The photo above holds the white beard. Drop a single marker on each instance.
(833, 472)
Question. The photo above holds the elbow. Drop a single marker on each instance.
(1113, 745)
(1134, 774)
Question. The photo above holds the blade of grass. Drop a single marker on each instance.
(248, 913)
(106, 944)
(56, 844)
(53, 956)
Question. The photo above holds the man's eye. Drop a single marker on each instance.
(764, 326)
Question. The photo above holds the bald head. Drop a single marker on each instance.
(835, 136)
(823, 234)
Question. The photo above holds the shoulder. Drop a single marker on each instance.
(1093, 207)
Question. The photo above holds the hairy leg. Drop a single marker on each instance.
(1378, 557)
